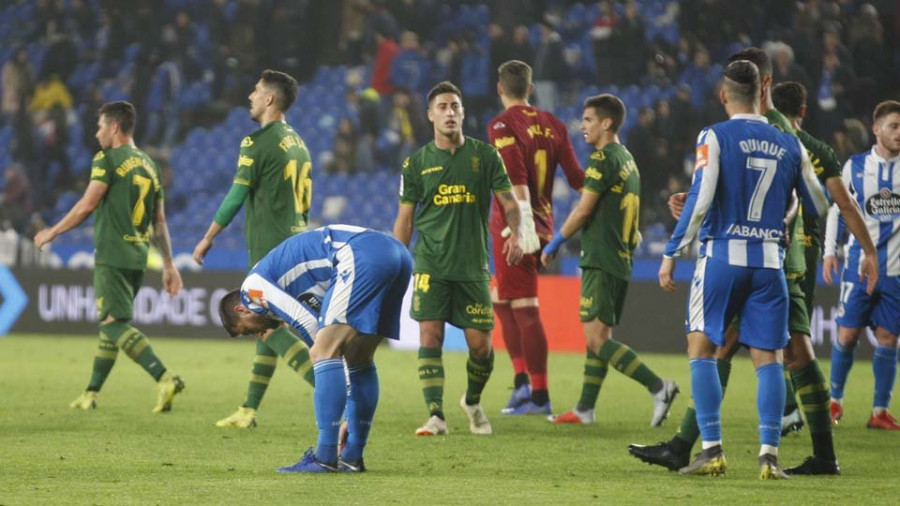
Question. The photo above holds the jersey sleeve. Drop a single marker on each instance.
(808, 187)
(499, 178)
(266, 298)
(568, 161)
(600, 176)
(246, 173)
(700, 196)
(502, 138)
(409, 183)
(834, 223)
(100, 170)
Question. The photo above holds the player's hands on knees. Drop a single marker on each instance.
(869, 270)
(172, 280)
(202, 249)
(676, 204)
(830, 269)
(666, 282)
(512, 249)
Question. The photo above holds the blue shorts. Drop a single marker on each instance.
(720, 291)
(371, 275)
(881, 309)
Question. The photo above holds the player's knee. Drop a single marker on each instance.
(885, 339)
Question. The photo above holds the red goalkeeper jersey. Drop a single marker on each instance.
(532, 143)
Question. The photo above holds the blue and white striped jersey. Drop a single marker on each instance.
(745, 173)
(299, 269)
(875, 185)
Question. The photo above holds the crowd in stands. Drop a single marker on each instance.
(188, 65)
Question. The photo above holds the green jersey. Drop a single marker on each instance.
(452, 195)
(275, 164)
(124, 217)
(611, 232)
(825, 161)
(794, 259)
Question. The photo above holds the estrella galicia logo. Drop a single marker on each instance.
(884, 205)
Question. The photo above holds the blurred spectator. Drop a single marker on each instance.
(700, 77)
(49, 92)
(16, 201)
(629, 48)
(866, 39)
(80, 19)
(17, 75)
(784, 67)
(602, 37)
(399, 139)
(384, 59)
(410, 69)
(641, 139)
(161, 106)
(521, 48)
(549, 68)
(344, 151)
(89, 119)
(835, 82)
(850, 138)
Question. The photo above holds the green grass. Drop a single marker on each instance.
(123, 454)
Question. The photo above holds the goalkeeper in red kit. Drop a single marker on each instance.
(532, 143)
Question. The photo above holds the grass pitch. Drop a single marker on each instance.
(123, 454)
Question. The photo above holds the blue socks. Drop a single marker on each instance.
(770, 402)
(884, 365)
(841, 362)
(707, 392)
(361, 406)
(329, 399)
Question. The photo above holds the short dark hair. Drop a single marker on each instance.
(741, 81)
(226, 311)
(885, 108)
(285, 87)
(756, 56)
(515, 77)
(441, 88)
(608, 106)
(122, 113)
(789, 98)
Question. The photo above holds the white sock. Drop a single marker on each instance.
(840, 402)
(709, 444)
(877, 410)
(772, 450)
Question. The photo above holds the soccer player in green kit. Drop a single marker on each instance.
(607, 214)
(803, 371)
(445, 192)
(273, 177)
(126, 195)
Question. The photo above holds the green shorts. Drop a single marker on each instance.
(813, 252)
(114, 291)
(463, 304)
(798, 316)
(602, 296)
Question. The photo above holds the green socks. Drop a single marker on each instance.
(263, 368)
(689, 431)
(812, 387)
(294, 351)
(104, 358)
(594, 374)
(282, 342)
(790, 398)
(626, 361)
(431, 374)
(479, 373)
(136, 345)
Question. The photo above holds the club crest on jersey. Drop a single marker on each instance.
(884, 206)
(257, 297)
(702, 157)
(498, 125)
(476, 163)
(99, 156)
(598, 156)
(247, 142)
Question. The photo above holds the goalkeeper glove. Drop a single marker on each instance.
(528, 238)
